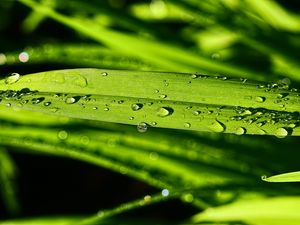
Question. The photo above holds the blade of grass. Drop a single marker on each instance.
(172, 100)
(285, 177)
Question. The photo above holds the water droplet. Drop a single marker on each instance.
(281, 132)
(13, 78)
(121, 101)
(142, 127)
(106, 109)
(194, 76)
(264, 177)
(72, 100)
(187, 125)
(147, 198)
(162, 96)
(260, 99)
(188, 198)
(196, 113)
(95, 108)
(54, 109)
(240, 131)
(217, 126)
(164, 111)
(165, 192)
(37, 100)
(156, 90)
(80, 81)
(8, 104)
(47, 103)
(153, 123)
(104, 73)
(62, 135)
(136, 106)
(131, 118)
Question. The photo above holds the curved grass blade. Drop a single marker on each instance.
(43, 221)
(272, 211)
(171, 100)
(8, 187)
(285, 177)
(86, 55)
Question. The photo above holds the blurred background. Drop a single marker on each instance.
(251, 39)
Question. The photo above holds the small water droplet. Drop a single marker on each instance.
(281, 132)
(196, 113)
(95, 108)
(37, 100)
(260, 99)
(106, 109)
(188, 198)
(131, 118)
(47, 103)
(13, 78)
(136, 106)
(121, 101)
(162, 96)
(62, 135)
(194, 76)
(8, 104)
(72, 100)
(240, 131)
(153, 123)
(187, 125)
(217, 126)
(104, 73)
(164, 111)
(142, 127)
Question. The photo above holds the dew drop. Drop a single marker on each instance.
(62, 135)
(240, 131)
(162, 96)
(13, 78)
(70, 100)
(194, 76)
(95, 108)
(37, 100)
(106, 109)
(47, 103)
(8, 104)
(196, 113)
(188, 198)
(80, 81)
(120, 101)
(187, 125)
(281, 132)
(142, 127)
(104, 73)
(217, 126)
(164, 111)
(136, 106)
(131, 118)
(260, 99)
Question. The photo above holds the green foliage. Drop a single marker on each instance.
(223, 124)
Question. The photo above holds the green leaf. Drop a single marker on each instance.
(285, 177)
(171, 100)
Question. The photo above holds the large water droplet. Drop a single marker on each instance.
(281, 132)
(217, 126)
(13, 78)
(142, 127)
(240, 131)
(164, 111)
(136, 106)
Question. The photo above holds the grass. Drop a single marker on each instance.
(217, 119)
